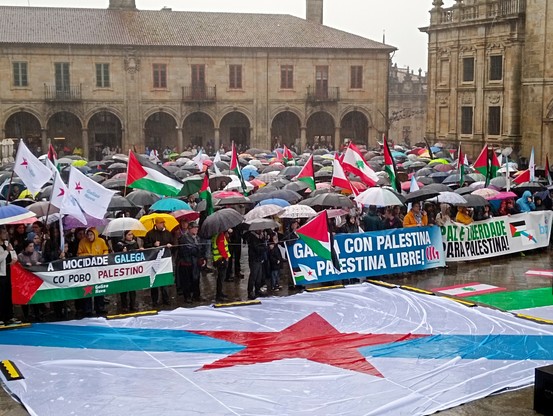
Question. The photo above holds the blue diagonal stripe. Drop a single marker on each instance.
(109, 338)
(492, 347)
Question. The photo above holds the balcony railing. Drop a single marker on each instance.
(320, 95)
(199, 93)
(69, 93)
(495, 9)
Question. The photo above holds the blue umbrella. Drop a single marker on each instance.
(249, 171)
(275, 201)
(169, 205)
(10, 214)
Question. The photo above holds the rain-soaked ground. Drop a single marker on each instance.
(507, 272)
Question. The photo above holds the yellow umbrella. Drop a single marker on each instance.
(149, 221)
(78, 163)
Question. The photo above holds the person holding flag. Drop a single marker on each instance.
(390, 166)
(235, 168)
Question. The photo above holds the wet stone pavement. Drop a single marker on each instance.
(507, 271)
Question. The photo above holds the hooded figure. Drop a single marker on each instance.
(91, 244)
(443, 216)
(526, 203)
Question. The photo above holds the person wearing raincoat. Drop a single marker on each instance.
(526, 202)
(92, 245)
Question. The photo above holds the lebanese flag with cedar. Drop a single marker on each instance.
(340, 179)
(354, 162)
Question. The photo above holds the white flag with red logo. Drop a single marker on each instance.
(92, 197)
(32, 171)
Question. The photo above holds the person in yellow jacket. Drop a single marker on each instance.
(415, 217)
(92, 245)
(221, 256)
(463, 216)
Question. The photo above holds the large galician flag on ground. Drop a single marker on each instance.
(364, 349)
(143, 174)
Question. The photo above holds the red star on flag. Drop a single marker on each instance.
(88, 290)
(78, 187)
(25, 163)
(309, 339)
(62, 192)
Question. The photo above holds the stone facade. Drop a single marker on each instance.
(407, 105)
(100, 93)
(487, 74)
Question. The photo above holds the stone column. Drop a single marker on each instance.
(180, 140)
(216, 139)
(337, 139)
(303, 138)
(85, 143)
(44, 140)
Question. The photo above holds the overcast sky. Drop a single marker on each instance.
(399, 19)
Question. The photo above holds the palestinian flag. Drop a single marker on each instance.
(287, 155)
(52, 155)
(307, 174)
(143, 174)
(522, 177)
(354, 162)
(547, 170)
(486, 165)
(315, 234)
(390, 167)
(205, 194)
(461, 166)
(235, 168)
(519, 229)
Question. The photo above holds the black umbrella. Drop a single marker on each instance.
(181, 174)
(117, 184)
(285, 194)
(117, 166)
(261, 224)
(454, 179)
(475, 201)
(465, 190)
(259, 196)
(290, 171)
(273, 168)
(119, 203)
(424, 172)
(232, 200)
(421, 195)
(141, 198)
(329, 200)
(279, 184)
(98, 178)
(438, 187)
(219, 181)
(425, 180)
(44, 193)
(296, 186)
(220, 221)
(439, 177)
(528, 186)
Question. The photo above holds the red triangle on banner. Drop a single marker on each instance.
(24, 284)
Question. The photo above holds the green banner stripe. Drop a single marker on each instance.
(117, 286)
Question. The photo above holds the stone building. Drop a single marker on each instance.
(407, 105)
(489, 76)
(123, 78)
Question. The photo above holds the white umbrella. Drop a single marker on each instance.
(261, 224)
(485, 193)
(451, 198)
(379, 197)
(118, 225)
(236, 185)
(263, 211)
(298, 211)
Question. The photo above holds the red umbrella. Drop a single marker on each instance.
(226, 194)
(405, 186)
(186, 215)
(360, 186)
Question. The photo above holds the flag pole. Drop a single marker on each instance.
(127, 178)
(9, 189)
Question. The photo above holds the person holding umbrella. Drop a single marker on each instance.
(158, 236)
(191, 258)
(257, 255)
(221, 256)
